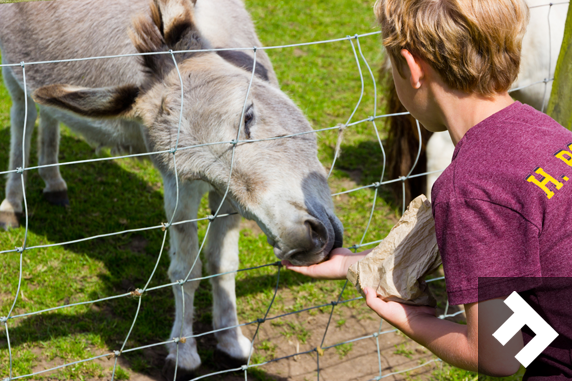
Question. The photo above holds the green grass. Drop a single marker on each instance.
(446, 372)
(402, 350)
(344, 349)
(121, 194)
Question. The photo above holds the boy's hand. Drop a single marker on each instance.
(397, 314)
(335, 267)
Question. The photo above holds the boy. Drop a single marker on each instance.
(501, 208)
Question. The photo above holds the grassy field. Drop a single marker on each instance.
(123, 194)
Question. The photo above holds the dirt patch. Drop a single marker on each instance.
(154, 356)
(298, 333)
(299, 53)
(279, 340)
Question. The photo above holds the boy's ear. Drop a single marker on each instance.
(417, 73)
(104, 102)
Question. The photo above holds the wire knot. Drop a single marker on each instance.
(402, 178)
(165, 225)
(211, 217)
(22, 64)
(376, 185)
(181, 282)
(117, 353)
(20, 170)
(3, 319)
(244, 367)
(173, 150)
(371, 118)
(254, 48)
(278, 264)
(260, 321)
(334, 303)
(354, 247)
(137, 292)
(182, 340)
(341, 129)
(234, 142)
(20, 249)
(376, 334)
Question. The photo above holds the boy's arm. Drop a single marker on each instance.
(454, 343)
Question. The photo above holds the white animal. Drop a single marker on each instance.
(540, 49)
(133, 104)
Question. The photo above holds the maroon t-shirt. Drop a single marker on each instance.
(503, 209)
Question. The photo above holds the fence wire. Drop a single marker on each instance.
(138, 293)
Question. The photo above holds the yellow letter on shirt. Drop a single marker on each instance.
(542, 184)
(565, 156)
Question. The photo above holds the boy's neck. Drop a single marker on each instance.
(458, 112)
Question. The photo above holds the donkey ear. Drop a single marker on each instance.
(170, 24)
(104, 102)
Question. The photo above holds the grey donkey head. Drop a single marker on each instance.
(279, 183)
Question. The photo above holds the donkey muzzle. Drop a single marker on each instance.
(311, 243)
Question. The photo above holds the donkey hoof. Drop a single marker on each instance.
(223, 360)
(9, 220)
(58, 198)
(168, 372)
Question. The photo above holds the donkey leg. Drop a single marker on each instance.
(233, 348)
(183, 252)
(11, 207)
(56, 190)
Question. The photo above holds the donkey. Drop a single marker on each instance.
(538, 56)
(133, 104)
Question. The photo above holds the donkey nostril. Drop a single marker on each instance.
(317, 233)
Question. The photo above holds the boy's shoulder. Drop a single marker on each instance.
(518, 158)
(500, 207)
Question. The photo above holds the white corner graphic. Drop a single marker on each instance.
(525, 315)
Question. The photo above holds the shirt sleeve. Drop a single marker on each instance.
(482, 243)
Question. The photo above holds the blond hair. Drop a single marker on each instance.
(473, 44)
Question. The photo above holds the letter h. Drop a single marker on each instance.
(544, 182)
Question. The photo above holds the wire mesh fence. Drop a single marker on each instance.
(366, 74)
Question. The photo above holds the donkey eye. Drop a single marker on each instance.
(248, 121)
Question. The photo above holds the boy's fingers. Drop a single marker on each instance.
(290, 266)
(324, 270)
(304, 270)
(373, 301)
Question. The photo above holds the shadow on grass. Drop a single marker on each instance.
(107, 198)
(364, 161)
